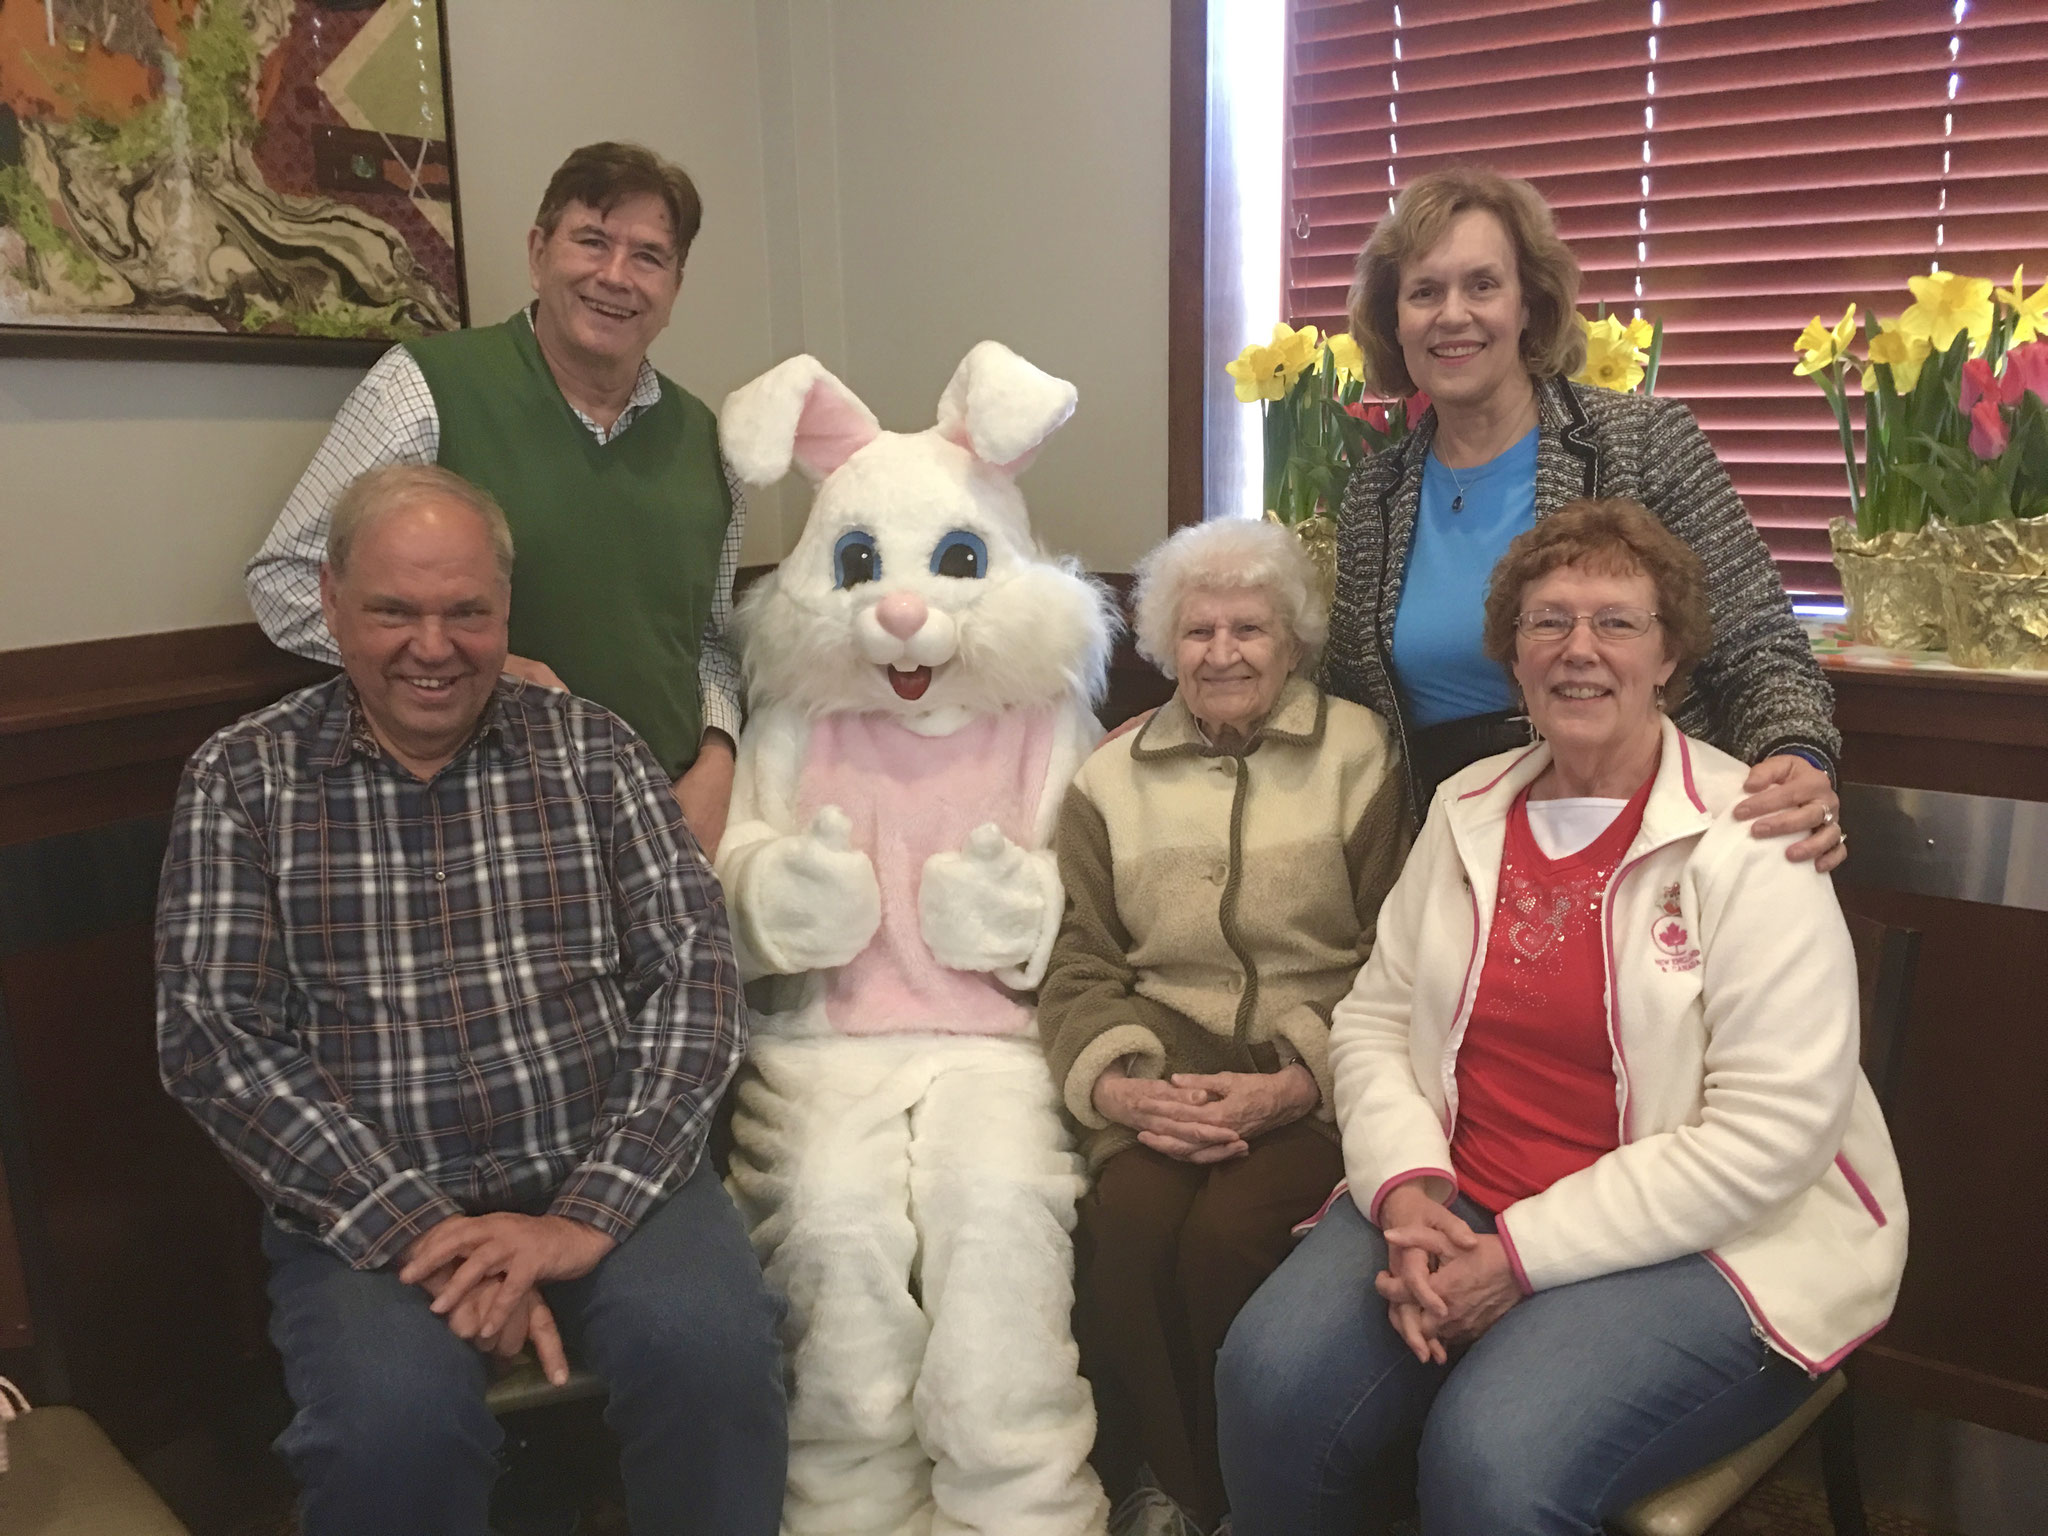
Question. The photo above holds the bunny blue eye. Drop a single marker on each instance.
(855, 559)
(962, 554)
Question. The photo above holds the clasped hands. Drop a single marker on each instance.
(1444, 1284)
(483, 1273)
(1205, 1117)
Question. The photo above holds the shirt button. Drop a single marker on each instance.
(440, 874)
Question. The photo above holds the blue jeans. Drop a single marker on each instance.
(1578, 1402)
(392, 1437)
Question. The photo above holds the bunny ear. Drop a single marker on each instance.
(1000, 408)
(796, 410)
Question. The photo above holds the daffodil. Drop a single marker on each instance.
(1901, 351)
(1257, 373)
(1267, 372)
(1346, 358)
(1298, 349)
(1613, 361)
(1820, 344)
(1641, 333)
(1943, 304)
(2030, 315)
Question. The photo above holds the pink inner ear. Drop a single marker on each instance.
(834, 427)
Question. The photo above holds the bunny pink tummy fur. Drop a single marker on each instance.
(909, 797)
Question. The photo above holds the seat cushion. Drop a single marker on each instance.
(66, 1479)
(1692, 1504)
(524, 1385)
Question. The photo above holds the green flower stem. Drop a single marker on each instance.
(1835, 388)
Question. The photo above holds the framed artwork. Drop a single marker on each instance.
(262, 180)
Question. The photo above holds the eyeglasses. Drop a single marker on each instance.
(1614, 622)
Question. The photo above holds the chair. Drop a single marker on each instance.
(522, 1385)
(1885, 959)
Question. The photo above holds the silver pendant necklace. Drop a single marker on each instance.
(1458, 501)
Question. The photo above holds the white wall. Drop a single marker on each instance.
(885, 183)
(998, 171)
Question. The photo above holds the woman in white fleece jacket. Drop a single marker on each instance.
(1618, 1190)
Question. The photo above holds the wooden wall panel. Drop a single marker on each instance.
(1967, 1339)
(15, 1329)
(152, 1255)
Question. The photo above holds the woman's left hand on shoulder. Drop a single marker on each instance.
(1253, 1103)
(1789, 796)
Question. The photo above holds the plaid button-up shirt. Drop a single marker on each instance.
(389, 1001)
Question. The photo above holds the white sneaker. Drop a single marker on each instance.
(1149, 1512)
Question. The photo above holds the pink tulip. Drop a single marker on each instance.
(1418, 407)
(1977, 383)
(1988, 431)
(2026, 371)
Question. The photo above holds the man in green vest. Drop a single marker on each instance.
(627, 522)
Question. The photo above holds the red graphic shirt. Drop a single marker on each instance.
(1536, 1085)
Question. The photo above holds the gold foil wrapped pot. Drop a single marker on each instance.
(1893, 586)
(1317, 536)
(1995, 591)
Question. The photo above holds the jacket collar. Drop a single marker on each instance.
(1477, 801)
(1297, 718)
(1566, 438)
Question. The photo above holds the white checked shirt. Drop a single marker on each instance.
(390, 418)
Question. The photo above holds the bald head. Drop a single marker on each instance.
(379, 493)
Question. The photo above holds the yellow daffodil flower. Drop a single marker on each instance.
(1257, 374)
(1820, 344)
(1901, 351)
(1641, 333)
(1945, 303)
(1298, 349)
(2030, 315)
(1613, 361)
(1346, 358)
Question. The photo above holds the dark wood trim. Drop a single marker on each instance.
(1976, 735)
(1187, 261)
(95, 731)
(2017, 1408)
(105, 344)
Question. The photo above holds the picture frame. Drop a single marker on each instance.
(226, 180)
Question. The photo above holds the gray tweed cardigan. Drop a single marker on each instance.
(1759, 691)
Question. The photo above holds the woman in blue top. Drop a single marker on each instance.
(1466, 293)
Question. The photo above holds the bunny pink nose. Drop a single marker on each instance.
(902, 614)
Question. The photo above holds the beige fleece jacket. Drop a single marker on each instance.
(1219, 901)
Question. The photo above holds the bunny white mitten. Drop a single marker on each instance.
(993, 906)
(811, 899)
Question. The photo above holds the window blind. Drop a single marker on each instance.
(1731, 167)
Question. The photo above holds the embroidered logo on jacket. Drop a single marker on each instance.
(1668, 932)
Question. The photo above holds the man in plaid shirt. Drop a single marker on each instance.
(446, 977)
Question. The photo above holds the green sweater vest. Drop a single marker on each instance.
(618, 542)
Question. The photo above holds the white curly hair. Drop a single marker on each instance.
(1226, 555)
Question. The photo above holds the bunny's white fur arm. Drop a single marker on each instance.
(994, 906)
(800, 898)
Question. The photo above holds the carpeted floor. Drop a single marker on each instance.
(1786, 1508)
(1780, 1508)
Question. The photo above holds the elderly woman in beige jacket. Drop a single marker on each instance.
(1223, 865)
